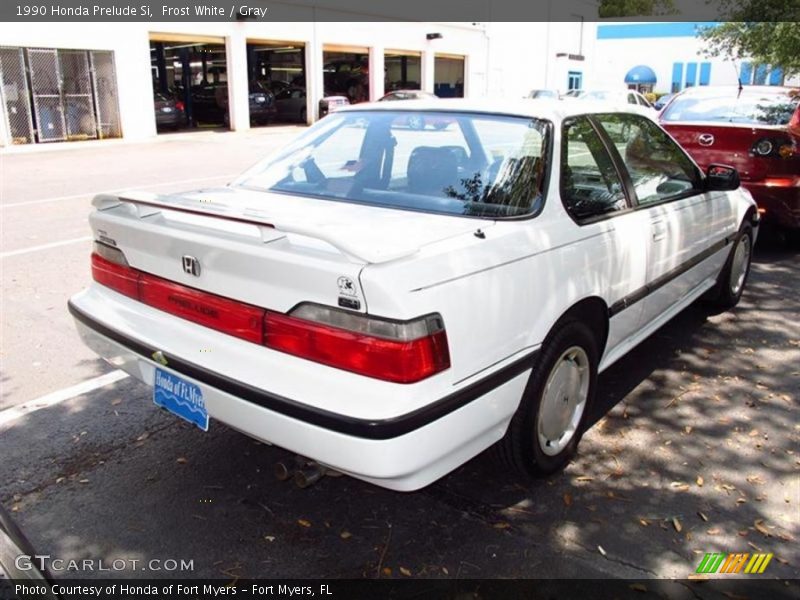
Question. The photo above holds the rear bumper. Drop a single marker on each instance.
(403, 452)
(779, 204)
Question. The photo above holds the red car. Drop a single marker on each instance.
(755, 129)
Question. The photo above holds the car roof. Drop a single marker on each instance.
(734, 89)
(552, 110)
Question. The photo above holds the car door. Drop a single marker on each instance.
(687, 227)
(594, 195)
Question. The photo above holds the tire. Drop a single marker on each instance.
(733, 277)
(569, 352)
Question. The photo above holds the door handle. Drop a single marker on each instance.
(659, 230)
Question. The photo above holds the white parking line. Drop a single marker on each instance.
(10, 415)
(44, 246)
(114, 191)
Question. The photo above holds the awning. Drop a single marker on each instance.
(641, 74)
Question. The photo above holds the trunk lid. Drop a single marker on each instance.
(732, 144)
(270, 250)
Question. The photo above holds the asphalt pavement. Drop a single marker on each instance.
(694, 446)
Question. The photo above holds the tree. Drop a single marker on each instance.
(635, 8)
(763, 31)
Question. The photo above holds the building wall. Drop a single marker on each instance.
(130, 43)
(668, 48)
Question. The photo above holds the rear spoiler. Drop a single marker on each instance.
(147, 205)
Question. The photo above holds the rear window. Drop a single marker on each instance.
(749, 108)
(443, 162)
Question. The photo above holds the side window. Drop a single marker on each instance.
(590, 186)
(631, 98)
(659, 169)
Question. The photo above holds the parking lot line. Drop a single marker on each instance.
(114, 191)
(45, 246)
(10, 415)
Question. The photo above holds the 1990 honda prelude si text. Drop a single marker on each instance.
(407, 284)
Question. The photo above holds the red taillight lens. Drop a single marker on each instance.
(179, 105)
(391, 360)
(396, 351)
(120, 278)
(228, 316)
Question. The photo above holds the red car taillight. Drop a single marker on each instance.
(405, 352)
(777, 147)
(396, 351)
(179, 105)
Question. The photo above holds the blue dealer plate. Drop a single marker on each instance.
(181, 398)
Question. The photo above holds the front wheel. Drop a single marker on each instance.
(733, 277)
(543, 435)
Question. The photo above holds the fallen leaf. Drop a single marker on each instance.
(688, 429)
(638, 587)
(116, 402)
(584, 478)
(345, 535)
(445, 571)
(387, 571)
(713, 531)
(761, 528)
(143, 437)
(677, 524)
(501, 525)
(181, 460)
(405, 571)
(269, 538)
(702, 516)
(741, 500)
(567, 499)
(60, 479)
(700, 481)
(83, 481)
(600, 549)
(303, 523)
(644, 522)
(754, 547)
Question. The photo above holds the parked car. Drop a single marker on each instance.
(407, 95)
(331, 103)
(404, 300)
(756, 130)
(169, 112)
(662, 101)
(210, 104)
(572, 95)
(290, 105)
(616, 96)
(543, 95)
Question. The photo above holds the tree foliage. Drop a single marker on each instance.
(635, 8)
(764, 31)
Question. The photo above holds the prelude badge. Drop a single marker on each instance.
(191, 266)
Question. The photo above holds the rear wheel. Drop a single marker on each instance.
(733, 277)
(545, 432)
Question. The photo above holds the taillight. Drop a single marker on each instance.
(228, 316)
(179, 105)
(110, 268)
(780, 147)
(397, 351)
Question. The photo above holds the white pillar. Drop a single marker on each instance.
(238, 85)
(315, 81)
(428, 64)
(376, 73)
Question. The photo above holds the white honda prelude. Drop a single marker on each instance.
(409, 283)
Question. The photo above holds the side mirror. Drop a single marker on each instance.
(721, 178)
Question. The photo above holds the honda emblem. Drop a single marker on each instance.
(191, 266)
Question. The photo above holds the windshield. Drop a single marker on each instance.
(596, 95)
(444, 162)
(749, 108)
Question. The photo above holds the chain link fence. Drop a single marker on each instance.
(52, 95)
